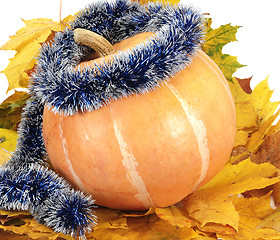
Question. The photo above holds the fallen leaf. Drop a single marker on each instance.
(141, 213)
(251, 212)
(146, 228)
(244, 176)
(27, 43)
(173, 216)
(276, 192)
(35, 230)
(241, 138)
(269, 150)
(218, 229)
(11, 236)
(261, 101)
(271, 221)
(8, 139)
(211, 209)
(11, 108)
(15, 213)
(110, 219)
(245, 84)
(215, 40)
(246, 116)
(258, 137)
(253, 124)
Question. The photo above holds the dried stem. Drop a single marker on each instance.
(93, 40)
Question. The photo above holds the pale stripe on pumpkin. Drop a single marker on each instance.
(130, 163)
(200, 133)
(67, 158)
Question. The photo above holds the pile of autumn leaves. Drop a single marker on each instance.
(236, 204)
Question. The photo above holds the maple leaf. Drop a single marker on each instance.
(8, 140)
(174, 216)
(110, 219)
(35, 230)
(215, 40)
(207, 210)
(245, 84)
(251, 212)
(146, 228)
(271, 221)
(269, 150)
(11, 108)
(261, 101)
(27, 43)
(235, 179)
(255, 115)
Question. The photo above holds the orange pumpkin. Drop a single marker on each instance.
(148, 150)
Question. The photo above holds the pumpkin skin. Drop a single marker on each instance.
(148, 150)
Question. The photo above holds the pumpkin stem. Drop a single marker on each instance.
(93, 40)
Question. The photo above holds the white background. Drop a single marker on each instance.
(258, 39)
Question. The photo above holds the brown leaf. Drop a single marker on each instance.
(269, 151)
(11, 236)
(276, 192)
(245, 84)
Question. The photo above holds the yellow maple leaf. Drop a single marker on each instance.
(251, 212)
(246, 116)
(258, 137)
(241, 138)
(11, 108)
(216, 229)
(261, 101)
(235, 179)
(27, 42)
(206, 209)
(145, 228)
(110, 219)
(271, 221)
(174, 216)
(8, 139)
(35, 230)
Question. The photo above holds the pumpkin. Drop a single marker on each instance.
(151, 149)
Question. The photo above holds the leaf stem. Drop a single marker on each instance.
(60, 10)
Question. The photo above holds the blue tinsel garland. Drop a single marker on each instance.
(25, 181)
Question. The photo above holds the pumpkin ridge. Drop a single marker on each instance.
(76, 178)
(130, 164)
(200, 133)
